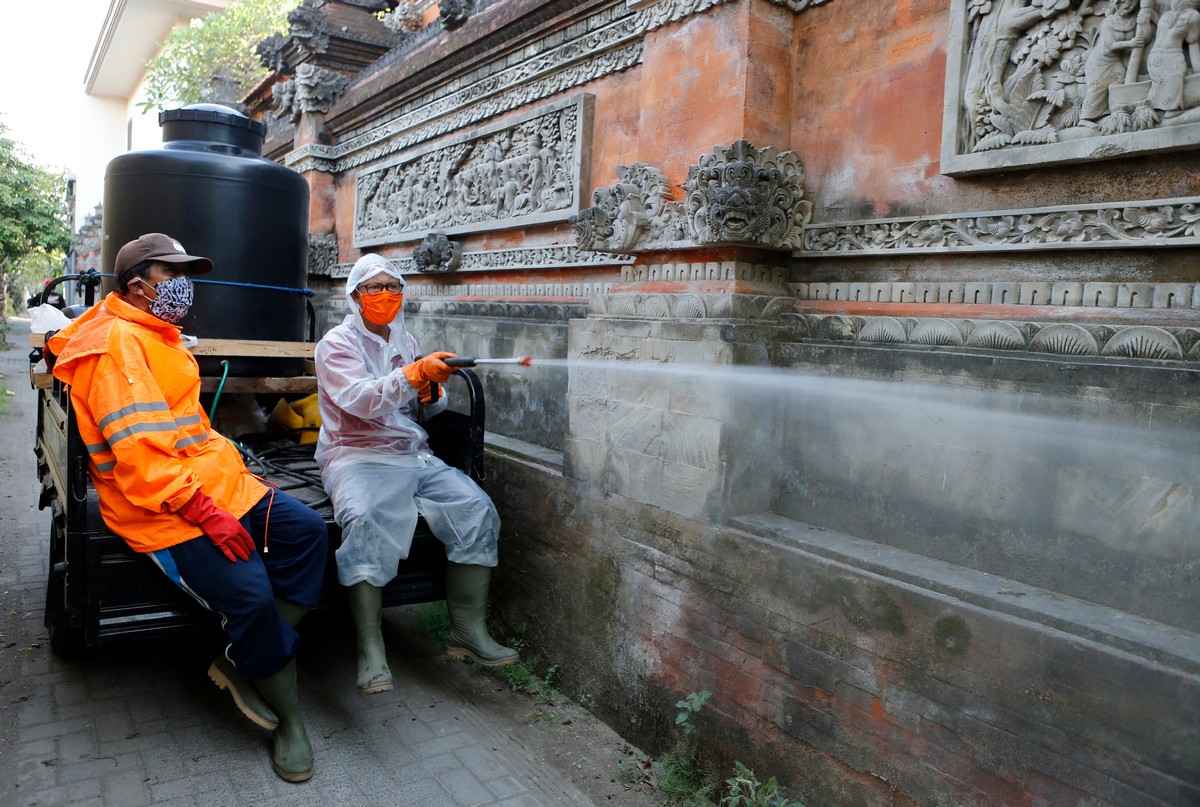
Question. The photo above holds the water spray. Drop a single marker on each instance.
(471, 361)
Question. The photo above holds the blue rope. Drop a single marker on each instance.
(305, 292)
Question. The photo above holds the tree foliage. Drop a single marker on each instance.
(34, 232)
(221, 44)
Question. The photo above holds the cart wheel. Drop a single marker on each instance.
(66, 642)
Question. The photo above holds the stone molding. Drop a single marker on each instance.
(1067, 294)
(534, 312)
(689, 305)
(738, 195)
(1157, 223)
(529, 170)
(558, 256)
(606, 42)
(1058, 338)
(1056, 82)
(523, 290)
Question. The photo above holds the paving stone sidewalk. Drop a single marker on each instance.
(144, 726)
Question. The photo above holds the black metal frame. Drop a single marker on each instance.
(99, 592)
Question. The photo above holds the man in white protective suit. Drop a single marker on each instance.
(380, 474)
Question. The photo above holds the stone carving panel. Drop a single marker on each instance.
(322, 254)
(509, 175)
(1124, 224)
(737, 195)
(1053, 81)
(312, 89)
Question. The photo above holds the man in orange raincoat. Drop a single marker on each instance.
(178, 491)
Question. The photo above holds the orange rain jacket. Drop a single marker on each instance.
(135, 391)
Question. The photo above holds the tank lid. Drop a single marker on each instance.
(213, 113)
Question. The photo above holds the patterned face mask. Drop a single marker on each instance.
(173, 300)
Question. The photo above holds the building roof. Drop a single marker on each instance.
(130, 37)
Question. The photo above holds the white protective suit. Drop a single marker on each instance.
(375, 460)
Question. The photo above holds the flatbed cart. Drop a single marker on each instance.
(99, 592)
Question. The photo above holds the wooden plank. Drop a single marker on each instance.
(281, 384)
(253, 347)
(231, 347)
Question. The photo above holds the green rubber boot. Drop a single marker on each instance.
(291, 613)
(292, 752)
(466, 600)
(366, 605)
(249, 701)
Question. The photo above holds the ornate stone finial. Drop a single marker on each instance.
(270, 53)
(437, 253)
(636, 209)
(454, 13)
(224, 89)
(403, 19)
(799, 5)
(309, 27)
(743, 195)
(314, 89)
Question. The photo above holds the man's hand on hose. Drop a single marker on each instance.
(429, 368)
(225, 531)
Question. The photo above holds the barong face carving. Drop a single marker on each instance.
(737, 195)
(507, 175)
(1051, 81)
(437, 253)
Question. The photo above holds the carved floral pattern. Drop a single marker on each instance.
(1125, 224)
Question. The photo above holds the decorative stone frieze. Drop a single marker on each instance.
(1059, 338)
(560, 256)
(685, 272)
(437, 253)
(531, 312)
(656, 15)
(313, 89)
(1089, 295)
(1056, 81)
(738, 195)
(322, 254)
(1162, 222)
(512, 174)
(689, 305)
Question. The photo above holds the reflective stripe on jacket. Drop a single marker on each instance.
(135, 391)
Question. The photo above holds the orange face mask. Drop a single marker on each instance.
(381, 308)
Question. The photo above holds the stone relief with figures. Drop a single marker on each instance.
(739, 194)
(521, 173)
(1049, 81)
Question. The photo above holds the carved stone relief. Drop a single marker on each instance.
(507, 175)
(737, 195)
(309, 27)
(1121, 224)
(404, 18)
(322, 253)
(437, 253)
(270, 53)
(799, 5)
(454, 13)
(1052, 81)
(312, 89)
(555, 256)
(1037, 293)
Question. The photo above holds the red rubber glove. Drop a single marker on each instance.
(429, 368)
(225, 531)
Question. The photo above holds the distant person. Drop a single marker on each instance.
(178, 491)
(380, 473)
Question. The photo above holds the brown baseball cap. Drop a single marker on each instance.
(158, 247)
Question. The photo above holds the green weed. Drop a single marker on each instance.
(744, 790)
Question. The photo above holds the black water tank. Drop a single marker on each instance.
(210, 187)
